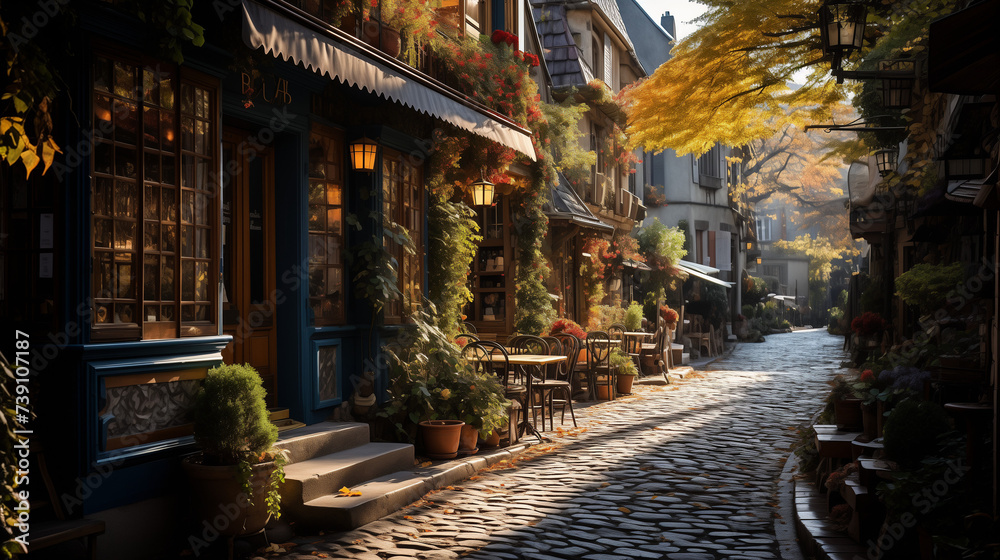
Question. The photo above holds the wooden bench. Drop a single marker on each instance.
(46, 534)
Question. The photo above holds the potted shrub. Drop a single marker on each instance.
(237, 471)
(633, 317)
(624, 370)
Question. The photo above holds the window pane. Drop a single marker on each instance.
(169, 204)
(187, 207)
(103, 158)
(124, 276)
(317, 281)
(151, 237)
(317, 218)
(187, 241)
(201, 238)
(151, 203)
(333, 194)
(151, 278)
(125, 162)
(102, 74)
(167, 130)
(151, 167)
(125, 85)
(169, 239)
(105, 276)
(151, 313)
(167, 170)
(102, 116)
(167, 279)
(125, 200)
(124, 313)
(201, 209)
(102, 232)
(201, 281)
(103, 196)
(150, 128)
(332, 250)
(187, 280)
(124, 235)
(126, 115)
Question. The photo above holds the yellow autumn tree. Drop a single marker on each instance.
(728, 81)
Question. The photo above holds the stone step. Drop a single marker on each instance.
(379, 497)
(854, 493)
(866, 448)
(321, 439)
(835, 445)
(326, 474)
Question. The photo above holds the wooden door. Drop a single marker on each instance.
(248, 277)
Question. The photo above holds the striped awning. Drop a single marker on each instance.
(292, 41)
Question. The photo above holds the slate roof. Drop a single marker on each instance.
(558, 47)
(561, 54)
(565, 204)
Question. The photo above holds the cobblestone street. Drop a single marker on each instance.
(684, 472)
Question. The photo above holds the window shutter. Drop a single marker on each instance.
(608, 62)
(723, 250)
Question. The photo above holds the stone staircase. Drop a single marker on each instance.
(325, 457)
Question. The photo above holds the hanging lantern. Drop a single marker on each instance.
(897, 90)
(842, 26)
(885, 160)
(363, 152)
(483, 191)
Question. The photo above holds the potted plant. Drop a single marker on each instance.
(633, 317)
(237, 470)
(624, 370)
(433, 389)
(868, 388)
(670, 316)
(845, 404)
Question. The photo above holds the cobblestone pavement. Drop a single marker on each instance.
(682, 472)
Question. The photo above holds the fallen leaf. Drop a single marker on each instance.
(653, 498)
(345, 491)
(407, 517)
(624, 509)
(425, 464)
(605, 484)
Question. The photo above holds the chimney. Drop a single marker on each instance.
(668, 24)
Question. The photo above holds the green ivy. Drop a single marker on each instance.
(534, 311)
(452, 231)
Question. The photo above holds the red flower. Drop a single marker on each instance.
(867, 376)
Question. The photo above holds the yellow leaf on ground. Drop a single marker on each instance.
(624, 509)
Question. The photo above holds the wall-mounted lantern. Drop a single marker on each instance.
(363, 152)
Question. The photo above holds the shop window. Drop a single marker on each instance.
(326, 226)
(154, 224)
(402, 207)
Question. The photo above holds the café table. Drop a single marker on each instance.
(534, 361)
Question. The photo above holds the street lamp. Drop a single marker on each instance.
(885, 160)
(842, 28)
(483, 191)
(363, 153)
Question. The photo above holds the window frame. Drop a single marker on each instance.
(400, 309)
(338, 137)
(141, 68)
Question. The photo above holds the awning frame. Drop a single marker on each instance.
(683, 266)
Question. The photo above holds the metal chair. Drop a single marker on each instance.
(559, 380)
(598, 363)
(468, 328)
(483, 355)
(617, 332)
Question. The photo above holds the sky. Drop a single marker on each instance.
(682, 10)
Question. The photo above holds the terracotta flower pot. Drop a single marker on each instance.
(441, 438)
(625, 383)
(492, 441)
(603, 393)
(468, 440)
(391, 43)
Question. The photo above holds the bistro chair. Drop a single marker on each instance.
(616, 332)
(599, 363)
(468, 328)
(484, 355)
(651, 353)
(559, 380)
